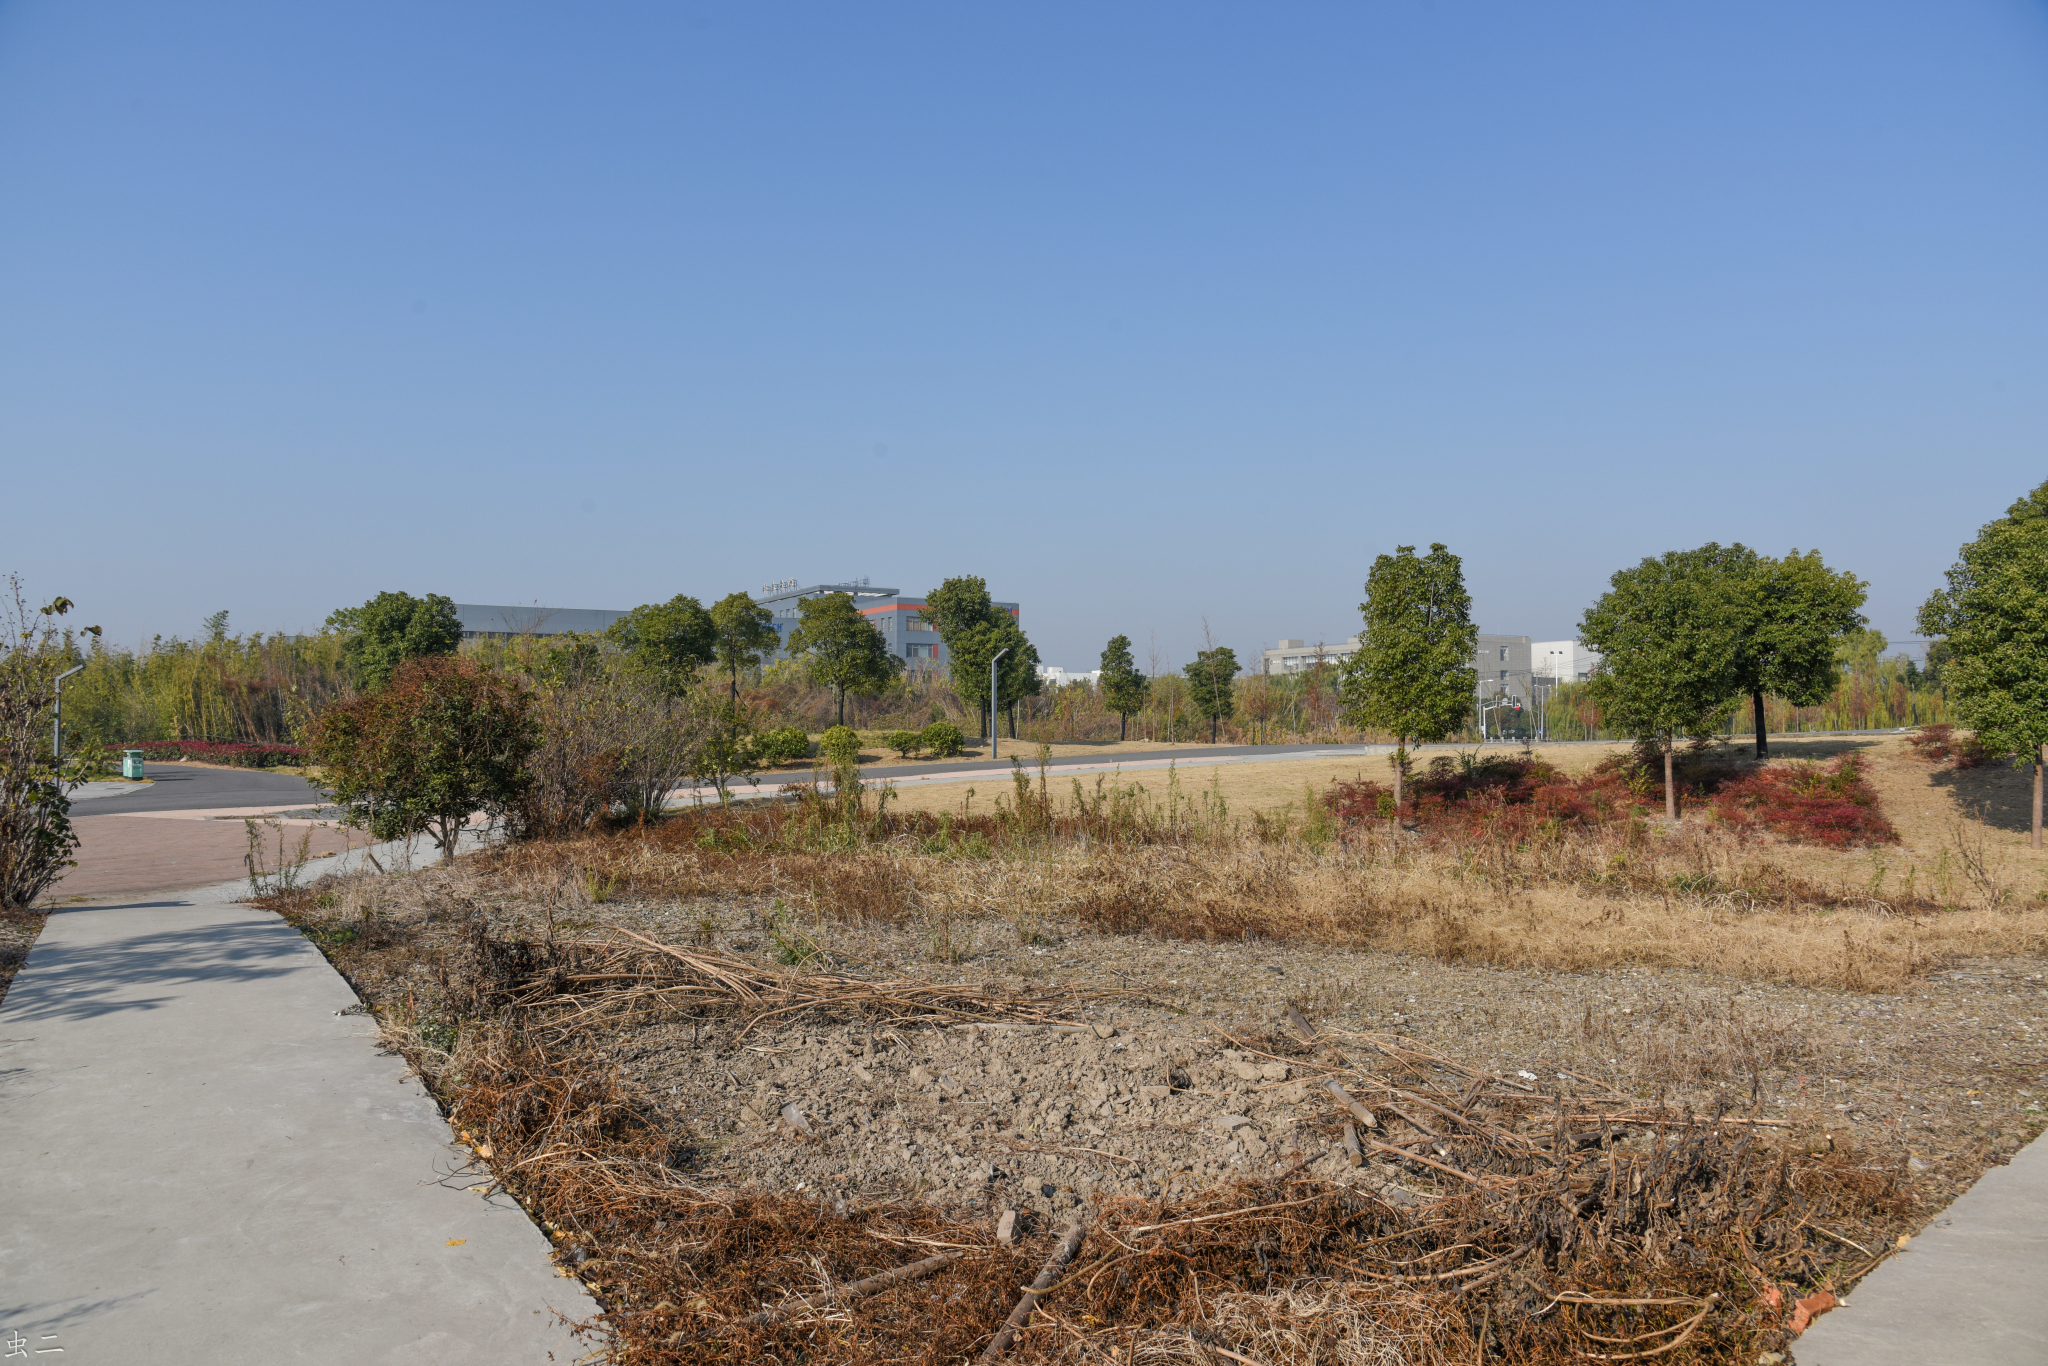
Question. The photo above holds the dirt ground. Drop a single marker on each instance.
(1195, 1079)
(18, 931)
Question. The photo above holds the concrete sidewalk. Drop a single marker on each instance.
(206, 1162)
(1971, 1290)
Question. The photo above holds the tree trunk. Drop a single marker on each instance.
(1400, 763)
(842, 706)
(1214, 721)
(1670, 787)
(1123, 726)
(1756, 707)
(2037, 795)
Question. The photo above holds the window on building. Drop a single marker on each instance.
(915, 622)
(1503, 654)
(915, 651)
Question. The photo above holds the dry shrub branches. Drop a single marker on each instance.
(1548, 1220)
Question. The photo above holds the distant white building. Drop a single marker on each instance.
(1293, 656)
(1563, 661)
(1059, 678)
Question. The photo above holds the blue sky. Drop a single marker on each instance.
(1147, 313)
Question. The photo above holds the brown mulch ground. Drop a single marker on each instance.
(18, 931)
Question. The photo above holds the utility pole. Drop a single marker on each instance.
(995, 721)
(57, 717)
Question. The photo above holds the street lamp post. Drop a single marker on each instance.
(995, 725)
(57, 717)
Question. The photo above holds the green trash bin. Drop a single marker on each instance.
(131, 763)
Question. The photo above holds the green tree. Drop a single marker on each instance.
(1670, 630)
(1789, 615)
(1212, 684)
(392, 628)
(445, 738)
(841, 649)
(670, 640)
(745, 635)
(1993, 622)
(1124, 689)
(974, 629)
(36, 835)
(1413, 674)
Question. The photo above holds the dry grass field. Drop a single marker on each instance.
(780, 1091)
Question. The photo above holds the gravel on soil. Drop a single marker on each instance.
(1193, 1084)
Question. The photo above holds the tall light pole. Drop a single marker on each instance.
(995, 726)
(57, 717)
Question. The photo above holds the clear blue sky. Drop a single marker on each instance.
(1145, 312)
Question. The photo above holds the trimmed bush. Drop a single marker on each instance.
(943, 739)
(841, 745)
(906, 743)
(782, 744)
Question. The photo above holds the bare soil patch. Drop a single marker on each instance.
(18, 931)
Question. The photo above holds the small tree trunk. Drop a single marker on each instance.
(1670, 787)
(1123, 725)
(842, 706)
(2037, 795)
(1756, 707)
(1214, 721)
(1400, 763)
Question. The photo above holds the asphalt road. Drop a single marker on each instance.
(187, 787)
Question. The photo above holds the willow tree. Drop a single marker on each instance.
(1413, 674)
(1993, 618)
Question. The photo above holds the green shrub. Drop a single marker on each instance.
(905, 742)
(840, 744)
(782, 744)
(943, 739)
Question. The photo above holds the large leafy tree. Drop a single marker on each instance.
(1993, 620)
(393, 627)
(1670, 629)
(1212, 684)
(446, 738)
(1413, 674)
(669, 640)
(841, 649)
(1124, 689)
(974, 630)
(1789, 616)
(743, 636)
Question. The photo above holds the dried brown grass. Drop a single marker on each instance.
(1695, 897)
(1575, 1217)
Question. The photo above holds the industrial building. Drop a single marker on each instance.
(900, 619)
(1514, 666)
(484, 622)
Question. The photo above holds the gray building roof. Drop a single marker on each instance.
(483, 620)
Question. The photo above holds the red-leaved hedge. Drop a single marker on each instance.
(232, 753)
(1518, 798)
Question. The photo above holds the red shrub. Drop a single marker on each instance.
(1939, 741)
(232, 753)
(1520, 798)
(1834, 806)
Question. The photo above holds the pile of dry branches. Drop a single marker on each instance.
(1543, 1221)
(573, 984)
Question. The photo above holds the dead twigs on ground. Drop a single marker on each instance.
(1064, 1253)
